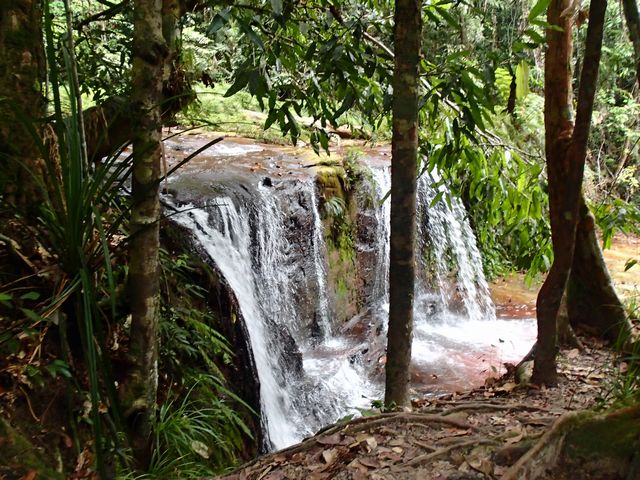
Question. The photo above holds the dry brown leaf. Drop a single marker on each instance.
(481, 465)
(397, 442)
(506, 387)
(573, 353)
(512, 440)
(330, 455)
(371, 443)
(334, 439)
(370, 462)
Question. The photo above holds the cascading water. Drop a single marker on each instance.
(454, 318)
(303, 384)
(445, 236)
(446, 240)
(266, 238)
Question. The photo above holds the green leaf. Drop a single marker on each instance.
(436, 199)
(31, 315)
(240, 82)
(347, 103)
(630, 263)
(538, 9)
(219, 21)
(30, 296)
(253, 36)
(534, 35)
(272, 117)
(522, 80)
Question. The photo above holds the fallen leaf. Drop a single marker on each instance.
(396, 442)
(371, 443)
(573, 353)
(481, 465)
(334, 439)
(506, 387)
(370, 462)
(512, 440)
(330, 455)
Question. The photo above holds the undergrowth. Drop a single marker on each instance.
(198, 430)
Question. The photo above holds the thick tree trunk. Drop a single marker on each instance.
(592, 302)
(21, 74)
(565, 148)
(632, 17)
(149, 51)
(407, 35)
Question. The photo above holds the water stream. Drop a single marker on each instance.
(267, 240)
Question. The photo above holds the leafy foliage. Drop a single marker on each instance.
(198, 430)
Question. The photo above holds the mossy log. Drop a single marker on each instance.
(599, 446)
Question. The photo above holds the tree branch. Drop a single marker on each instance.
(104, 15)
(588, 78)
(632, 17)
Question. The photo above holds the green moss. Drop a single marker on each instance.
(20, 454)
(611, 436)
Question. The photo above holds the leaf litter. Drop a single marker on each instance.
(462, 436)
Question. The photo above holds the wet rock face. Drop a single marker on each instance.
(294, 256)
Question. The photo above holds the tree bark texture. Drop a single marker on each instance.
(565, 149)
(23, 106)
(630, 8)
(592, 302)
(407, 36)
(149, 52)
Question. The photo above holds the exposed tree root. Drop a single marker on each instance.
(429, 457)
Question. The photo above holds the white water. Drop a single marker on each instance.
(444, 235)
(228, 245)
(294, 404)
(445, 231)
(319, 253)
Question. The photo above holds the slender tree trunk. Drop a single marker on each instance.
(149, 52)
(407, 36)
(632, 17)
(21, 76)
(565, 148)
(592, 302)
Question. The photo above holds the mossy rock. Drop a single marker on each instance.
(330, 181)
(598, 446)
(18, 455)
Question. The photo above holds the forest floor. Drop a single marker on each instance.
(473, 435)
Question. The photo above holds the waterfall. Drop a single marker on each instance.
(319, 254)
(445, 235)
(267, 239)
(445, 239)
(224, 232)
(303, 384)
